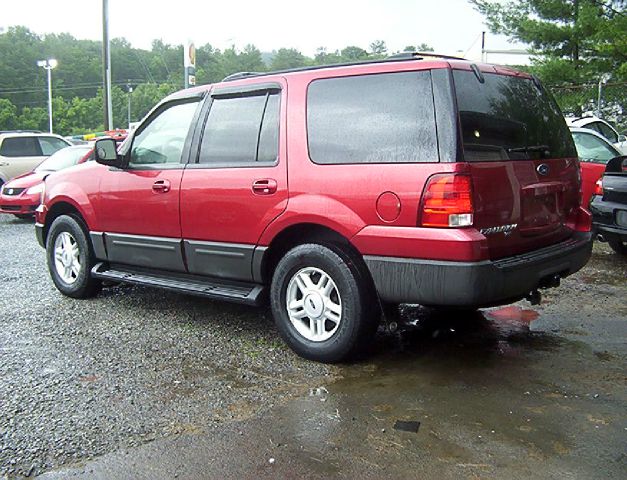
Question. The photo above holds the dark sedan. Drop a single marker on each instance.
(609, 205)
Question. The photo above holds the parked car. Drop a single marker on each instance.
(418, 179)
(594, 152)
(20, 152)
(603, 128)
(22, 195)
(609, 205)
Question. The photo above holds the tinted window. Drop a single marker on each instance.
(241, 130)
(383, 118)
(592, 149)
(49, 145)
(162, 140)
(509, 118)
(20, 147)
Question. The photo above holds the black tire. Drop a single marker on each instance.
(83, 286)
(618, 245)
(360, 313)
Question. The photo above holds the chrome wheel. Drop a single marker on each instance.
(67, 258)
(313, 304)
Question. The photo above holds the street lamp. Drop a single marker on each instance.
(49, 65)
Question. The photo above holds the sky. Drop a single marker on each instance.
(451, 27)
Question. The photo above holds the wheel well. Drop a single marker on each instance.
(305, 233)
(58, 209)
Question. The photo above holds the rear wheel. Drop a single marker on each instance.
(618, 245)
(70, 258)
(322, 304)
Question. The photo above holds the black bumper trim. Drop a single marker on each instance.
(39, 233)
(476, 284)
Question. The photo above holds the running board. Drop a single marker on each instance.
(239, 292)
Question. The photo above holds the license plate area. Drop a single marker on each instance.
(621, 218)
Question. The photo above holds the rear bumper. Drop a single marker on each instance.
(605, 217)
(476, 284)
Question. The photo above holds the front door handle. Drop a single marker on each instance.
(161, 186)
(266, 186)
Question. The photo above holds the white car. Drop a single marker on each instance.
(21, 152)
(601, 127)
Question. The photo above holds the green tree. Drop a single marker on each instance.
(286, 58)
(8, 115)
(574, 42)
(378, 49)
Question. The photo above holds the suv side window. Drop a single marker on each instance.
(242, 130)
(20, 147)
(50, 145)
(161, 141)
(380, 118)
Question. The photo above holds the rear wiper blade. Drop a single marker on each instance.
(530, 148)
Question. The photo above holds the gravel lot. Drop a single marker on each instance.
(82, 379)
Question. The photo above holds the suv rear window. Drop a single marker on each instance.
(509, 118)
(20, 147)
(380, 118)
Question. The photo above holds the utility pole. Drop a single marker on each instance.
(106, 67)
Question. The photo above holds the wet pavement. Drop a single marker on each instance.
(144, 384)
(514, 392)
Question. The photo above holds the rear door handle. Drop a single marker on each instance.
(265, 186)
(161, 186)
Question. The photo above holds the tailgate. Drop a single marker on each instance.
(519, 209)
(521, 157)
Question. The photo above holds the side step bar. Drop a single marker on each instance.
(246, 293)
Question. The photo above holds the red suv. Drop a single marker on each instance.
(333, 190)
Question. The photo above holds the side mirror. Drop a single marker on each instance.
(106, 153)
(622, 138)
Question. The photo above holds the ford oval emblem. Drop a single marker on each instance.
(543, 169)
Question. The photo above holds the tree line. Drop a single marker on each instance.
(576, 44)
(150, 74)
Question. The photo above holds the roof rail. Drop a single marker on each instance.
(399, 57)
(418, 55)
(239, 75)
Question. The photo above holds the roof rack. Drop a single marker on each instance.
(419, 55)
(398, 57)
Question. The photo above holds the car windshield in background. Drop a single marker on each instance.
(64, 158)
(509, 118)
(592, 149)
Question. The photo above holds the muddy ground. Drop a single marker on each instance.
(140, 383)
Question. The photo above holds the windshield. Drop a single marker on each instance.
(591, 148)
(64, 158)
(509, 118)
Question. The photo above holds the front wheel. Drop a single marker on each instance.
(322, 303)
(70, 259)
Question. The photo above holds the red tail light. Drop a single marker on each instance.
(598, 187)
(447, 201)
